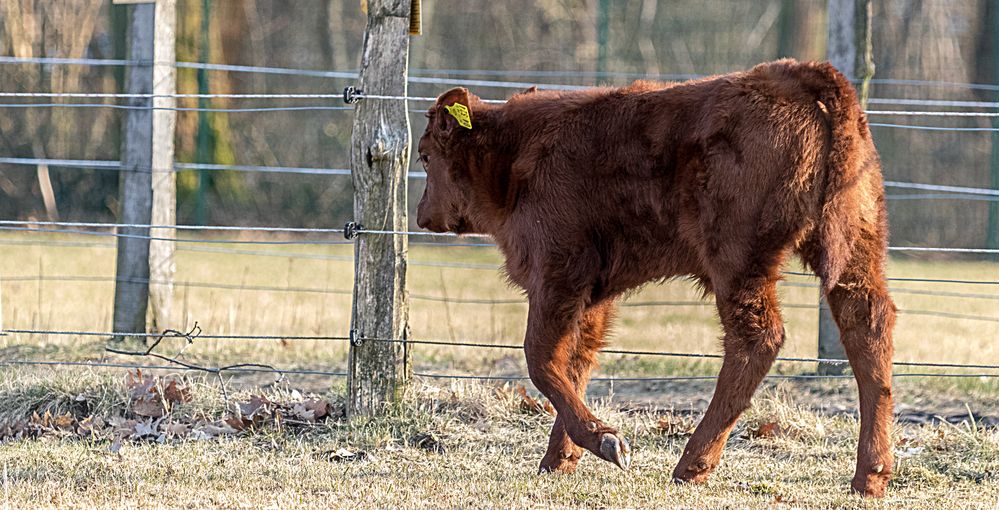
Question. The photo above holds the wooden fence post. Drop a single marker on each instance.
(135, 188)
(379, 159)
(849, 48)
(162, 266)
(992, 232)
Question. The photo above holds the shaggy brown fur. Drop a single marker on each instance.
(592, 193)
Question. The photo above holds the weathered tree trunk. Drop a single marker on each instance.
(796, 35)
(379, 159)
(136, 192)
(850, 50)
(987, 71)
(161, 253)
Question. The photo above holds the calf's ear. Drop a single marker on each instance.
(453, 111)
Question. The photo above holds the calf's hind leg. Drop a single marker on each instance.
(865, 315)
(563, 455)
(754, 334)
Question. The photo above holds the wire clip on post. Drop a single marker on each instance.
(352, 94)
(355, 338)
(351, 229)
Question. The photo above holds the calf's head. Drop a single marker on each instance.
(444, 153)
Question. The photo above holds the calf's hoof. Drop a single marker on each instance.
(871, 485)
(695, 472)
(615, 449)
(560, 462)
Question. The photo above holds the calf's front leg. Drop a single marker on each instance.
(553, 331)
(563, 455)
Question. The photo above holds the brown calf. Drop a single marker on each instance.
(595, 192)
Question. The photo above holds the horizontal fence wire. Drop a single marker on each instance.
(9, 225)
(471, 265)
(359, 95)
(941, 187)
(172, 239)
(181, 166)
(178, 108)
(430, 375)
(931, 113)
(177, 166)
(178, 283)
(343, 108)
(487, 345)
(670, 354)
(495, 267)
(177, 368)
(55, 228)
(934, 128)
(480, 301)
(222, 228)
(940, 196)
(437, 72)
(913, 279)
(702, 377)
(337, 96)
(110, 334)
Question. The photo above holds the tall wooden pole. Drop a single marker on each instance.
(992, 234)
(204, 152)
(603, 22)
(162, 266)
(136, 190)
(379, 159)
(849, 48)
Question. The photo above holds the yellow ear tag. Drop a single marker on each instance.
(460, 112)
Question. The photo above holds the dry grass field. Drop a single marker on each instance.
(489, 444)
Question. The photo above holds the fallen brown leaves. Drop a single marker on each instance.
(765, 430)
(343, 455)
(525, 402)
(151, 415)
(675, 426)
(428, 441)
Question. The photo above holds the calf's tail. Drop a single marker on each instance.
(848, 148)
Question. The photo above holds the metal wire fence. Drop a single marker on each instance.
(323, 236)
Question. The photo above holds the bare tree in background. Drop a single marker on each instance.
(43, 28)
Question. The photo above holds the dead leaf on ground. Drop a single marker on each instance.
(675, 426)
(143, 396)
(759, 488)
(429, 441)
(139, 384)
(309, 411)
(176, 429)
(208, 431)
(122, 426)
(251, 407)
(115, 445)
(299, 411)
(235, 423)
(782, 499)
(530, 404)
(90, 426)
(765, 431)
(320, 408)
(344, 455)
(43, 420)
(148, 407)
(176, 393)
(147, 428)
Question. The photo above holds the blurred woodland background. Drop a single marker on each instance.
(593, 41)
